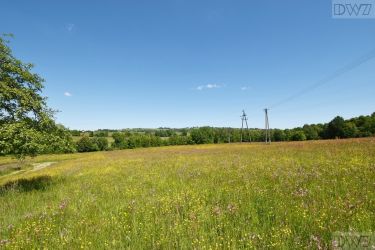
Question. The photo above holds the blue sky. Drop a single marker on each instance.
(180, 63)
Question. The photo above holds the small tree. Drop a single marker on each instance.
(27, 127)
(119, 140)
(87, 144)
(101, 142)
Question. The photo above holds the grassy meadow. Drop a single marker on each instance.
(229, 196)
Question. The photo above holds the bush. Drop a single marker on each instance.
(119, 140)
(101, 133)
(101, 142)
(86, 144)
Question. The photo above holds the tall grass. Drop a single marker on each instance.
(284, 195)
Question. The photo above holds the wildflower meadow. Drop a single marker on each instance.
(228, 196)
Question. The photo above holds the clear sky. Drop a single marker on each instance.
(181, 63)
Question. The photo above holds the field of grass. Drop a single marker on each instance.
(284, 196)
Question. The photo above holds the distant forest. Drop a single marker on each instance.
(106, 139)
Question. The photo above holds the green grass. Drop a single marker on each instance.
(284, 196)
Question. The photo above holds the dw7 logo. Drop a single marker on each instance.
(353, 9)
(352, 240)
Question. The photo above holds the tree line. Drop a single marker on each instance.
(362, 126)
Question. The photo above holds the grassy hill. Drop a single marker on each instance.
(284, 195)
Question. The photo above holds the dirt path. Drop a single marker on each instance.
(36, 167)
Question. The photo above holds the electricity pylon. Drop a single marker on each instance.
(267, 129)
(244, 119)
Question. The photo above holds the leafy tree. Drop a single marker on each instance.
(298, 135)
(373, 123)
(119, 140)
(27, 127)
(310, 132)
(144, 141)
(335, 128)
(174, 140)
(257, 135)
(156, 141)
(350, 130)
(87, 144)
(234, 135)
(364, 125)
(203, 135)
(164, 133)
(101, 133)
(131, 142)
(101, 142)
(279, 135)
(184, 132)
(75, 132)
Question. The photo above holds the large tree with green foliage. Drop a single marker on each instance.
(335, 128)
(27, 127)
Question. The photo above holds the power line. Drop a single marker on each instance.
(361, 60)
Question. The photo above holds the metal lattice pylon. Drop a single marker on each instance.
(244, 119)
(267, 127)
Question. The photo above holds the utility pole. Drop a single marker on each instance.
(267, 129)
(244, 119)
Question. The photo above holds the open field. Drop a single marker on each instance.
(284, 195)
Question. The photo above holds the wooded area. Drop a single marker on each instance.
(362, 126)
